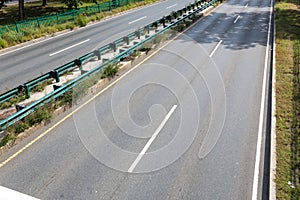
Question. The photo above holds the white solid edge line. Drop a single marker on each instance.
(171, 6)
(6, 193)
(261, 115)
(137, 20)
(74, 45)
(246, 5)
(146, 147)
(215, 49)
(237, 18)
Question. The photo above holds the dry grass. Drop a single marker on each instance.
(287, 99)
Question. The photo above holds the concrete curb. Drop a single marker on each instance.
(272, 186)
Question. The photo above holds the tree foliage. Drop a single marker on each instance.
(2, 3)
(72, 3)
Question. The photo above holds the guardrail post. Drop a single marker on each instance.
(155, 24)
(169, 18)
(126, 39)
(78, 63)
(55, 75)
(138, 34)
(20, 88)
(98, 54)
(178, 13)
(113, 46)
(55, 87)
(163, 21)
(27, 91)
(19, 107)
(147, 29)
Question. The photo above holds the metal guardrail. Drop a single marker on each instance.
(60, 18)
(173, 19)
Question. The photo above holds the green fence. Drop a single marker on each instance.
(64, 17)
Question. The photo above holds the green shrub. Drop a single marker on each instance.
(29, 31)
(13, 37)
(20, 127)
(136, 53)
(81, 20)
(3, 43)
(6, 139)
(110, 71)
(100, 16)
(66, 99)
(146, 47)
(18, 98)
(93, 18)
(70, 25)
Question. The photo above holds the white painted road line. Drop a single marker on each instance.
(146, 147)
(236, 19)
(137, 20)
(212, 53)
(52, 54)
(246, 5)
(6, 193)
(171, 6)
(261, 114)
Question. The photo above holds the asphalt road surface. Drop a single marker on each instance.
(22, 65)
(185, 124)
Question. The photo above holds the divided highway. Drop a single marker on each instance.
(187, 123)
(27, 63)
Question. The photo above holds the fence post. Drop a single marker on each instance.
(17, 28)
(73, 13)
(99, 9)
(38, 22)
(56, 18)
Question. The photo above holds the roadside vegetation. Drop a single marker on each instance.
(9, 15)
(287, 19)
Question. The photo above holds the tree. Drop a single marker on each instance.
(72, 3)
(21, 10)
(2, 3)
(44, 3)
